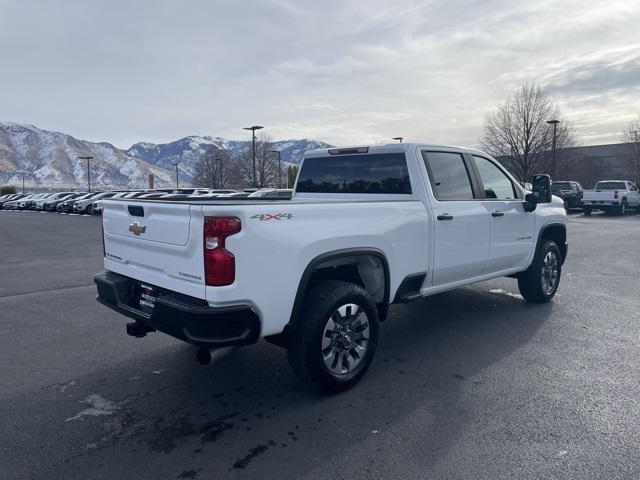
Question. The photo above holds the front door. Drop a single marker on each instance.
(511, 227)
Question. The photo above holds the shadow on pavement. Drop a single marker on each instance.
(249, 407)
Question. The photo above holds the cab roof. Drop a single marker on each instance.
(385, 148)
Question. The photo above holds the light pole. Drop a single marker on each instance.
(176, 165)
(219, 162)
(253, 142)
(399, 139)
(88, 159)
(279, 168)
(22, 173)
(637, 154)
(553, 161)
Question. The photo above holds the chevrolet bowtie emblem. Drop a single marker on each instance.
(137, 229)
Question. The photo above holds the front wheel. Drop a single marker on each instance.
(540, 282)
(335, 338)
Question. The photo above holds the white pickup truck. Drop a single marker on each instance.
(366, 227)
(611, 196)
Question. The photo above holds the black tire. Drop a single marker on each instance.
(586, 211)
(305, 350)
(89, 210)
(534, 283)
(622, 209)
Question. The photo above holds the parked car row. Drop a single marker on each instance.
(91, 202)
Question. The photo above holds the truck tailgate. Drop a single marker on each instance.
(597, 195)
(158, 243)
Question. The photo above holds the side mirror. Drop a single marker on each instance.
(542, 188)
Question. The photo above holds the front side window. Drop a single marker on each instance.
(496, 184)
(449, 176)
(369, 173)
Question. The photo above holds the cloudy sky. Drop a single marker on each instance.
(340, 71)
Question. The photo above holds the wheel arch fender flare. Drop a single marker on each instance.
(551, 231)
(332, 258)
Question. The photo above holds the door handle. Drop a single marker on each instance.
(497, 214)
(446, 216)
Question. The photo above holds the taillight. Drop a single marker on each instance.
(219, 263)
(615, 194)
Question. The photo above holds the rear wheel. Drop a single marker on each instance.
(622, 209)
(335, 339)
(586, 210)
(540, 282)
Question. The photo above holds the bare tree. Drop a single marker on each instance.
(518, 133)
(214, 168)
(266, 169)
(631, 135)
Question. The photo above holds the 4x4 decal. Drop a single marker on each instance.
(273, 216)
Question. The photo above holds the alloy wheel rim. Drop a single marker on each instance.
(550, 272)
(345, 339)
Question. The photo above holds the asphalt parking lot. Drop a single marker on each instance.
(472, 384)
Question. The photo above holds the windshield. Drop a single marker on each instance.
(611, 186)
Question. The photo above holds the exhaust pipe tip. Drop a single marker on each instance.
(206, 356)
(203, 356)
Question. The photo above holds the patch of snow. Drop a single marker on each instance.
(97, 406)
(500, 291)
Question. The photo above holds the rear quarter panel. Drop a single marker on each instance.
(279, 240)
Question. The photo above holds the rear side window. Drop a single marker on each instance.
(449, 176)
(371, 173)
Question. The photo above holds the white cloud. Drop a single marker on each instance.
(344, 72)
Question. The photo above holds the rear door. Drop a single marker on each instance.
(462, 226)
(159, 243)
(511, 227)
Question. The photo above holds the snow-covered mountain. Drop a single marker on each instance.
(188, 150)
(49, 158)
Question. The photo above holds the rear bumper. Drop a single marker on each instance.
(600, 204)
(186, 318)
